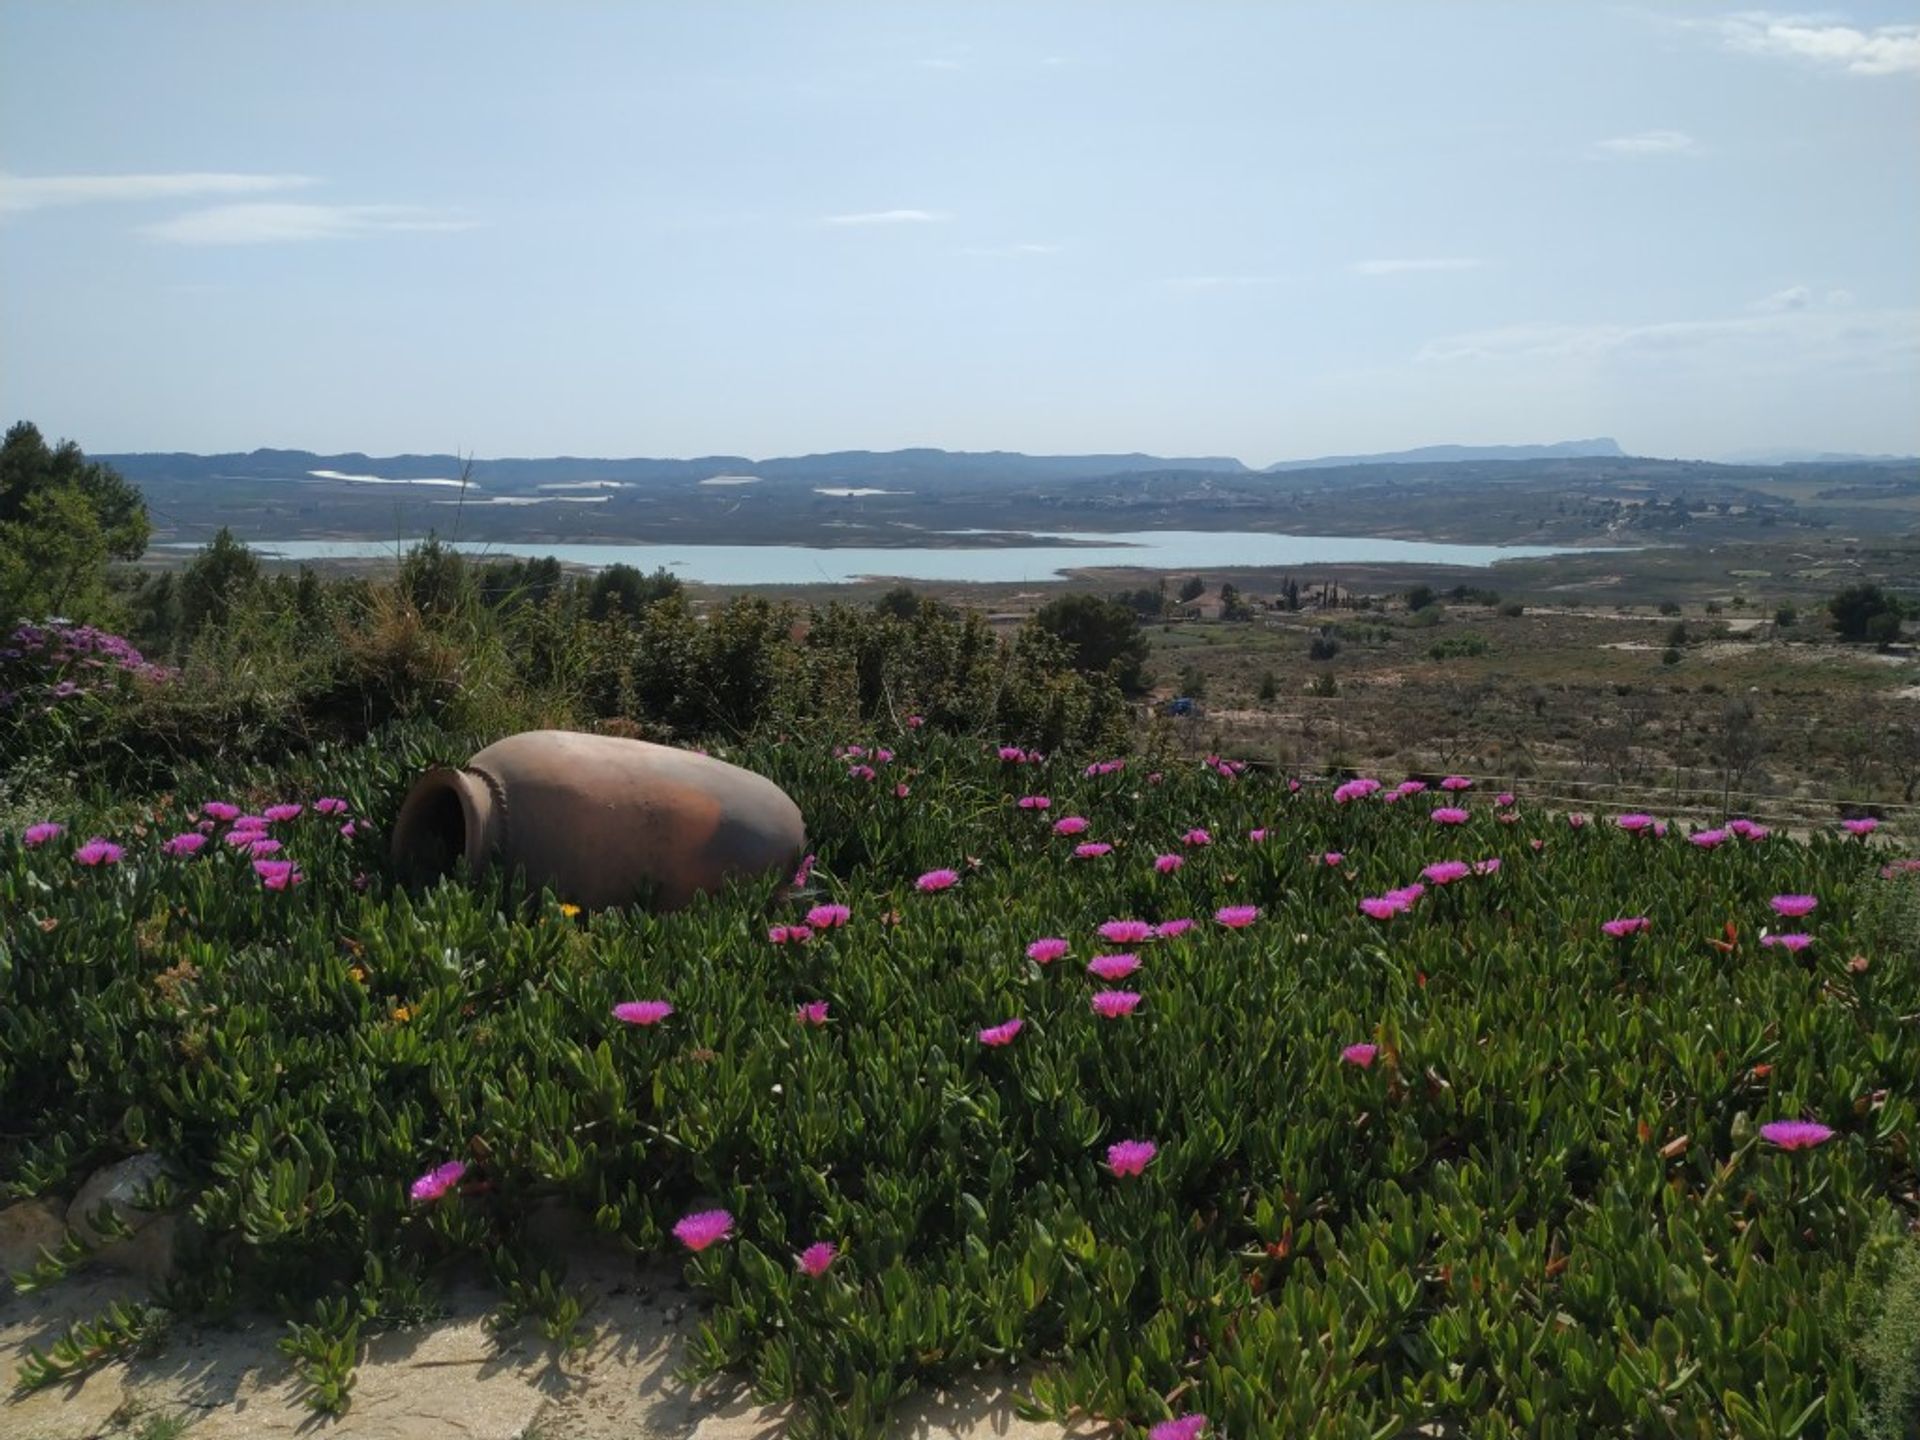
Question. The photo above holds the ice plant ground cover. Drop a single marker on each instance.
(1480, 1165)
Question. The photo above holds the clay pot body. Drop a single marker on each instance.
(601, 820)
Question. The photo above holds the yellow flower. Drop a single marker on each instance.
(357, 975)
(570, 911)
(402, 1014)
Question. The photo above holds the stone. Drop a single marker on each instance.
(149, 1250)
(27, 1228)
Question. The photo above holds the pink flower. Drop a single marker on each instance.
(1035, 802)
(1865, 825)
(1070, 825)
(1350, 791)
(1489, 866)
(438, 1181)
(1104, 767)
(1256, 836)
(1237, 917)
(1130, 1157)
(238, 838)
(1634, 824)
(1406, 895)
(1012, 754)
(1456, 782)
(1293, 787)
(1409, 787)
(1197, 836)
(1626, 925)
(1092, 850)
(1447, 871)
(1537, 844)
(813, 1012)
(263, 847)
(1504, 799)
(1167, 864)
(1332, 857)
(901, 791)
(36, 835)
(1115, 1004)
(254, 823)
(815, 1259)
(278, 874)
(1126, 932)
(189, 843)
(828, 917)
(861, 772)
(1450, 815)
(937, 880)
(99, 851)
(1361, 1055)
(1793, 943)
(789, 934)
(642, 1012)
(1113, 967)
(1003, 1033)
(1796, 1134)
(1047, 950)
(804, 873)
(1184, 1427)
(1707, 839)
(703, 1228)
(1794, 906)
(1378, 907)
(330, 805)
(914, 722)
(1576, 820)
(1172, 929)
(220, 810)
(349, 830)
(883, 756)
(850, 752)
(280, 814)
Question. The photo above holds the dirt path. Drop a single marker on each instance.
(453, 1380)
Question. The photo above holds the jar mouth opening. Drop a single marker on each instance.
(440, 823)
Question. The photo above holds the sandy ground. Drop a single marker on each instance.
(453, 1380)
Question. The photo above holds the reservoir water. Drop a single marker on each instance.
(1040, 561)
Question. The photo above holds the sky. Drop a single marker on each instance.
(1266, 231)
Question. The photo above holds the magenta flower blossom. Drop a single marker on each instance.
(1354, 790)
(815, 1259)
(1257, 836)
(804, 873)
(861, 772)
(789, 934)
(1450, 815)
(1447, 871)
(1167, 864)
(278, 874)
(1197, 836)
(280, 814)
(1003, 1033)
(254, 823)
(914, 722)
(1634, 824)
(1796, 1134)
(263, 847)
(1865, 825)
(1293, 787)
(1407, 894)
(828, 917)
(703, 1228)
(1113, 967)
(642, 1012)
(330, 805)
(1183, 1427)
(1130, 1157)
(1035, 802)
(1504, 799)
(883, 756)
(189, 843)
(1332, 857)
(1794, 906)
(1115, 1004)
(99, 851)
(242, 838)
(1070, 825)
(1012, 754)
(1092, 850)
(901, 791)
(1627, 925)
(35, 836)
(220, 810)
(934, 880)
(1489, 866)
(1409, 787)
(1047, 950)
(1104, 767)
(1456, 782)
(1125, 932)
(1236, 917)
(1576, 820)
(813, 1012)
(1172, 929)
(1707, 839)
(1793, 943)
(1378, 907)
(438, 1181)
(1361, 1055)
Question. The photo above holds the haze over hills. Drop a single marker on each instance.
(1603, 447)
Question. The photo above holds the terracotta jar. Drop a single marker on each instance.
(602, 820)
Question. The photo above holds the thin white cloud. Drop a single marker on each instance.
(1649, 142)
(1221, 282)
(1794, 297)
(269, 223)
(889, 217)
(21, 193)
(1412, 267)
(1025, 248)
(1818, 39)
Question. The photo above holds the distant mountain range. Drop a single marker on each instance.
(1603, 448)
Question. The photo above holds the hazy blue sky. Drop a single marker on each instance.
(1257, 230)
